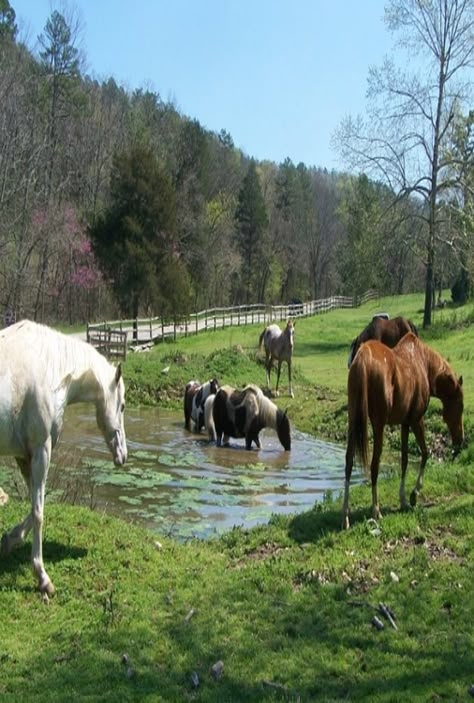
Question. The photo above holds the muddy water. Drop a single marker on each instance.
(177, 483)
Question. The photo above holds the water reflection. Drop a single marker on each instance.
(176, 482)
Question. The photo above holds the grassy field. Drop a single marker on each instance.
(286, 611)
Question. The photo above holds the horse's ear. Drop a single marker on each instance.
(118, 373)
(460, 380)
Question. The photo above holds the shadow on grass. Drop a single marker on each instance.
(53, 552)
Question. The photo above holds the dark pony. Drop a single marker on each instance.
(279, 346)
(388, 331)
(394, 386)
(244, 413)
(195, 395)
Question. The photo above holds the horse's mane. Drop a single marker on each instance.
(268, 411)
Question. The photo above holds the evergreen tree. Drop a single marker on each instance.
(8, 28)
(134, 240)
(252, 224)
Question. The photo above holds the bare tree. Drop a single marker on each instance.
(411, 113)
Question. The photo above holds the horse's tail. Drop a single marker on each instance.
(359, 411)
(260, 341)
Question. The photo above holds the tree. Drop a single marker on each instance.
(359, 260)
(252, 223)
(8, 28)
(410, 114)
(134, 239)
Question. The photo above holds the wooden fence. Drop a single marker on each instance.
(113, 337)
(110, 342)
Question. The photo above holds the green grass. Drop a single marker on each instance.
(287, 607)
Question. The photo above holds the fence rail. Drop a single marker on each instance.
(111, 337)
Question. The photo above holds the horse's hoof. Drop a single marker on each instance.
(413, 498)
(46, 587)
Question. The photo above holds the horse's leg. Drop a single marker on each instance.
(374, 469)
(268, 368)
(349, 464)
(278, 376)
(403, 499)
(39, 471)
(17, 535)
(419, 432)
(292, 395)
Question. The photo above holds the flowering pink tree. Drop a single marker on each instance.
(73, 278)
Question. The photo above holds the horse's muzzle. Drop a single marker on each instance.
(118, 447)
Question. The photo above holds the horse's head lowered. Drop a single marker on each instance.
(449, 390)
(110, 417)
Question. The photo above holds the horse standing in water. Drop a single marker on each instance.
(195, 396)
(278, 345)
(41, 372)
(386, 330)
(394, 386)
(243, 414)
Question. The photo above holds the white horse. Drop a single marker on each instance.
(278, 345)
(41, 372)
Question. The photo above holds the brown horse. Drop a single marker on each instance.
(386, 330)
(278, 345)
(394, 386)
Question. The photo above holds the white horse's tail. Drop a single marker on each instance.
(208, 417)
(260, 341)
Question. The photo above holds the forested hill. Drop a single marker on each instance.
(114, 202)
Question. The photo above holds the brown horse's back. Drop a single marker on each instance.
(387, 331)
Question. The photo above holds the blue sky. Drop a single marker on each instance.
(279, 75)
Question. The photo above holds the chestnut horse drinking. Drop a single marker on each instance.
(393, 387)
(386, 330)
(41, 372)
(278, 345)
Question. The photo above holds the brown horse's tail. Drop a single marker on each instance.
(359, 411)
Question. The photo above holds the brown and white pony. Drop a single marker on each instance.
(195, 395)
(393, 387)
(243, 413)
(278, 345)
(385, 330)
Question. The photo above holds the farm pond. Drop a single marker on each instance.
(177, 483)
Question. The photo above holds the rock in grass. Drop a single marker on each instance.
(377, 623)
(194, 680)
(217, 670)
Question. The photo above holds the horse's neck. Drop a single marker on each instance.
(84, 384)
(437, 367)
